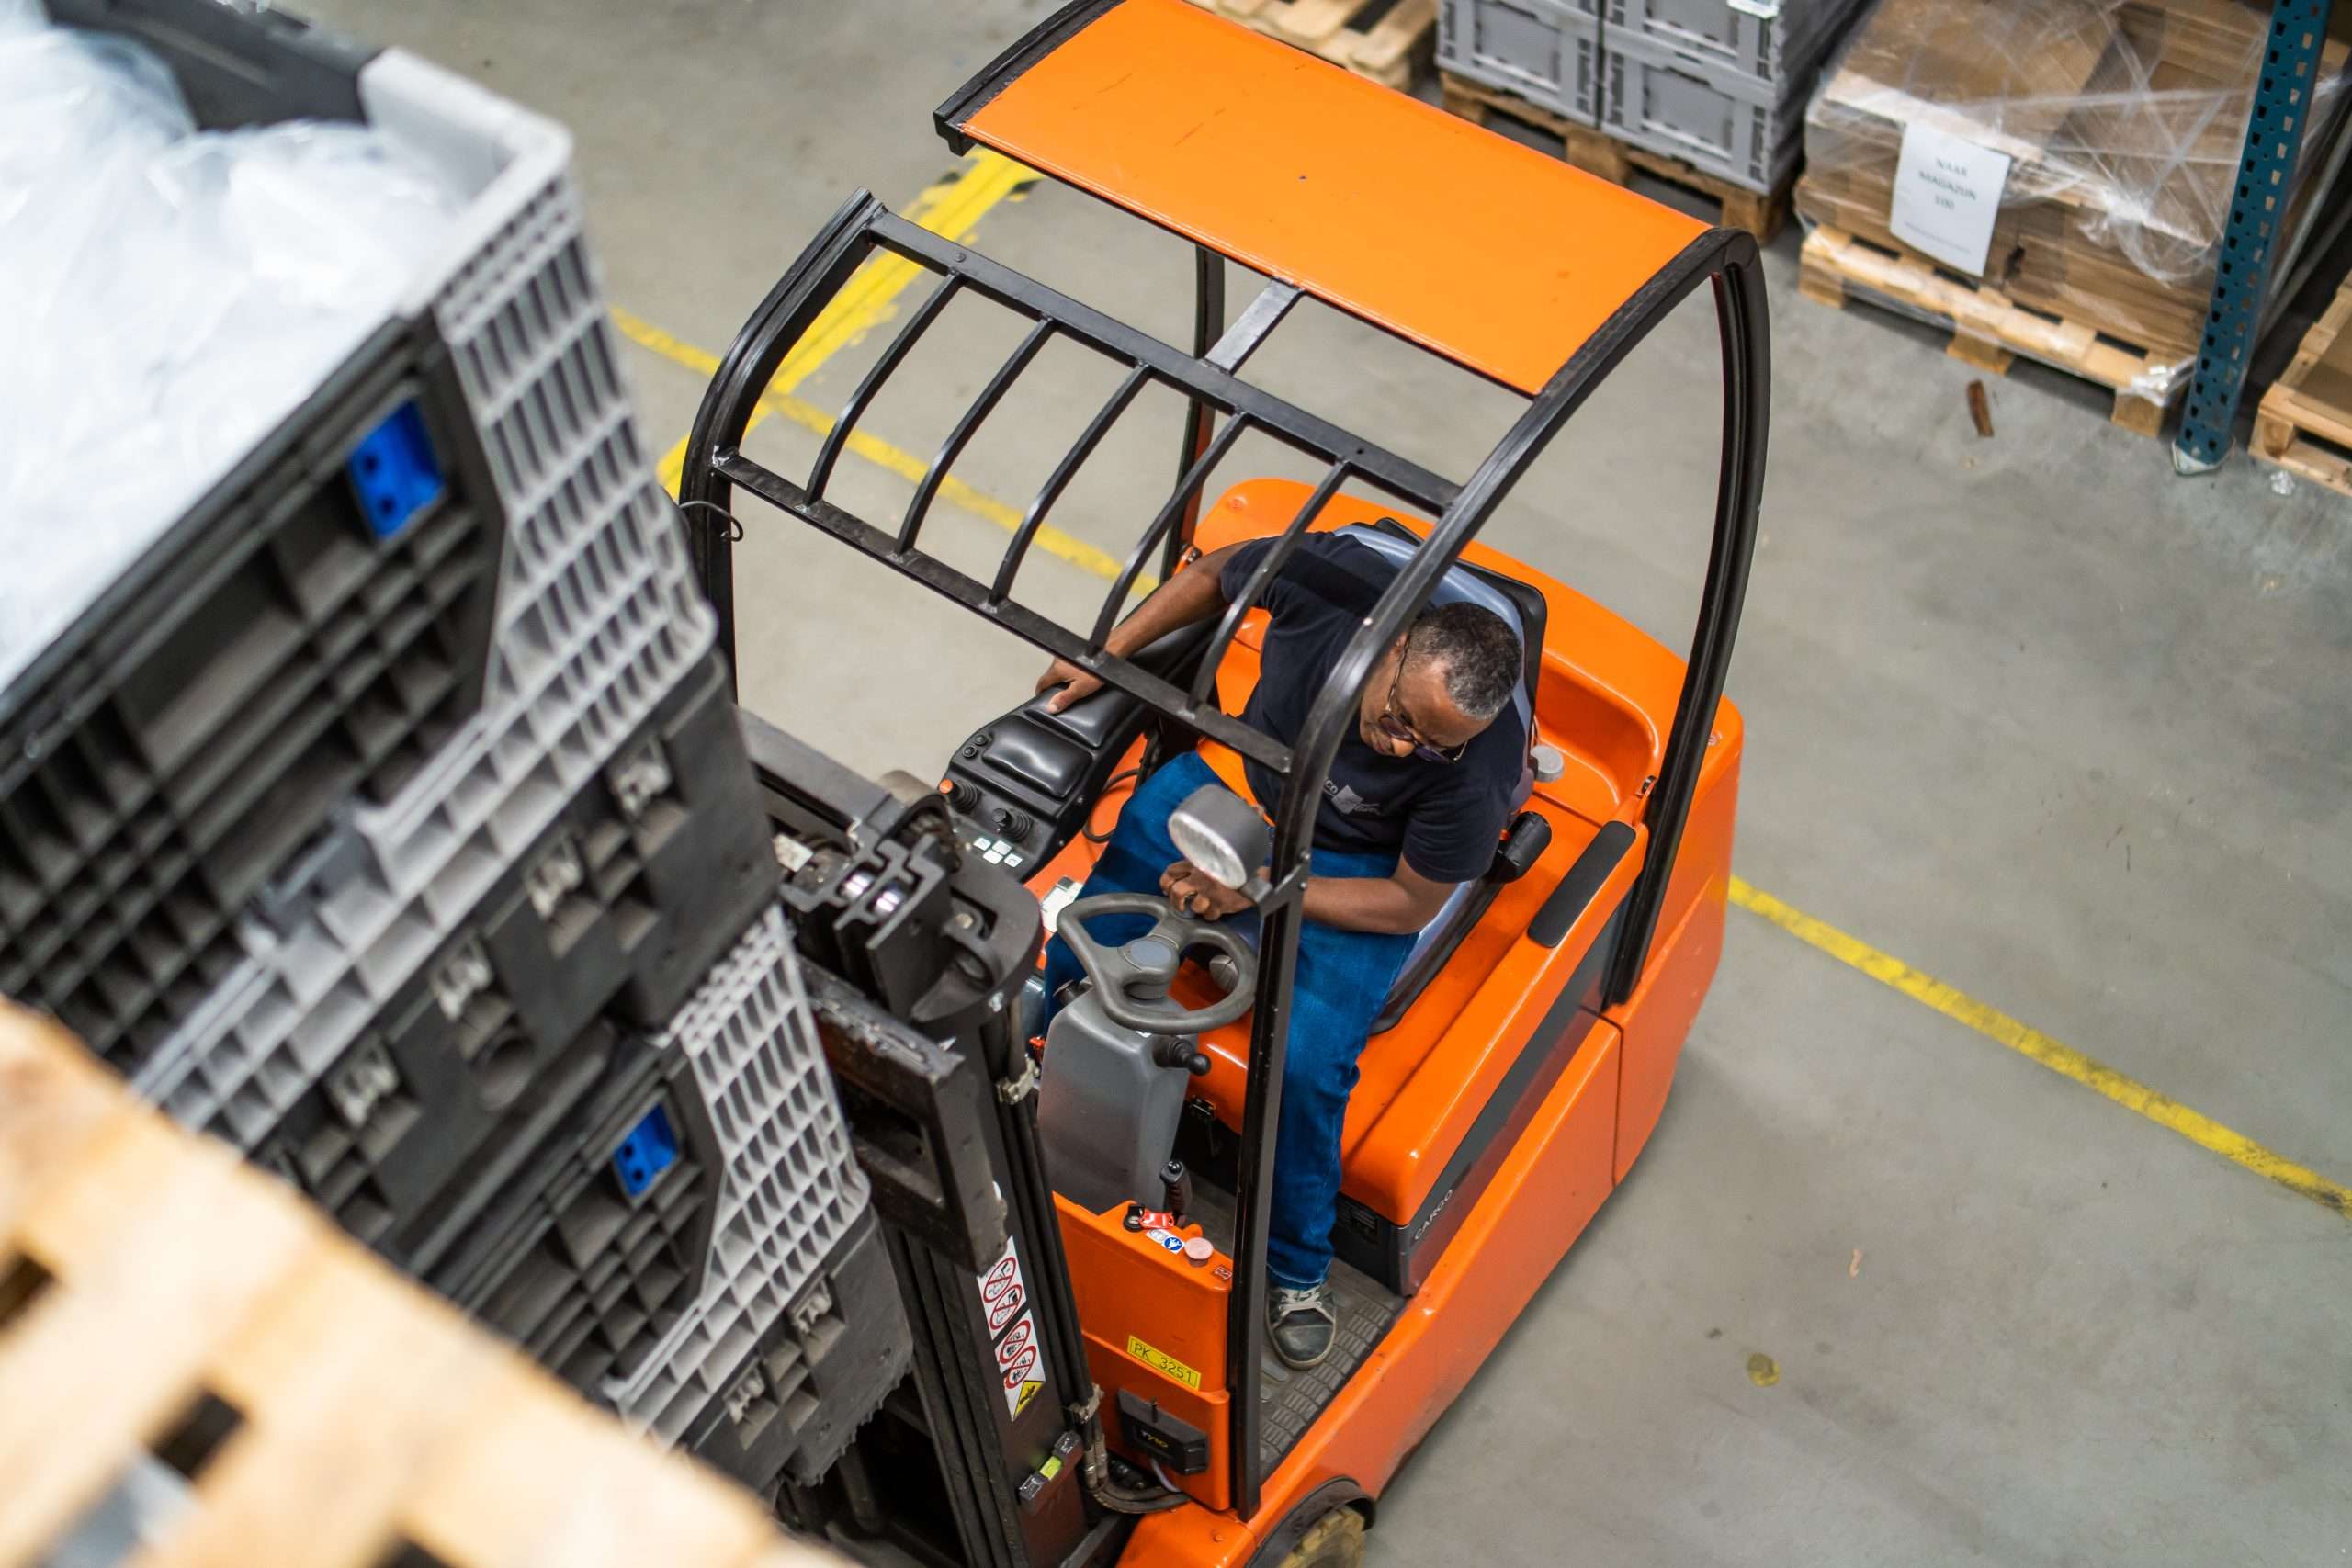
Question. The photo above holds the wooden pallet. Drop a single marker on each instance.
(161, 1299)
(1386, 41)
(1761, 213)
(2304, 423)
(1989, 330)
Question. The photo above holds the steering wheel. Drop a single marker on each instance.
(1139, 972)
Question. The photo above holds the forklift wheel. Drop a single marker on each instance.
(1336, 1541)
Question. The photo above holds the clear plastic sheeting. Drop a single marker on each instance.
(2124, 120)
(173, 293)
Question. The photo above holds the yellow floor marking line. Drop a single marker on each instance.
(951, 209)
(645, 334)
(2062, 1059)
(879, 452)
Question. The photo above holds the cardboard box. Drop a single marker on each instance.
(2124, 119)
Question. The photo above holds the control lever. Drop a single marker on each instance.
(1523, 843)
(1169, 1052)
(1176, 1188)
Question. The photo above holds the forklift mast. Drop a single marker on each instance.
(991, 1454)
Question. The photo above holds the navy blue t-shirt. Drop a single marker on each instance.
(1442, 817)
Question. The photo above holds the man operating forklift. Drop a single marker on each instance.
(1416, 799)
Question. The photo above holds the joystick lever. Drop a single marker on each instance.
(1171, 1052)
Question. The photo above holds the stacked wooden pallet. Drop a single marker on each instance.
(2304, 423)
(1385, 40)
(191, 1356)
(2120, 129)
(1989, 330)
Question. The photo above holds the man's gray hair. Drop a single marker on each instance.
(1480, 653)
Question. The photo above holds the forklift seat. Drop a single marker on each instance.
(1424, 1069)
(1522, 609)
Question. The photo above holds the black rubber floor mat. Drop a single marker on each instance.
(1289, 1400)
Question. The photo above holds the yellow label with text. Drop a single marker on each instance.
(1162, 1362)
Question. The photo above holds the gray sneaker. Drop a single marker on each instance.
(1300, 1324)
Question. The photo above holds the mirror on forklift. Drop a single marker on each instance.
(1224, 835)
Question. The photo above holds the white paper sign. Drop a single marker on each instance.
(1947, 192)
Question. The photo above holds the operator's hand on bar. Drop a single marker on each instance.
(1074, 683)
(1191, 891)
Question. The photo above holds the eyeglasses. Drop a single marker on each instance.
(1398, 727)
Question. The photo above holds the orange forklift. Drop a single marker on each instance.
(1099, 1388)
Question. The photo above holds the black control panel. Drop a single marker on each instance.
(1020, 787)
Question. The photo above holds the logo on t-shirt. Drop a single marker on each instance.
(1348, 800)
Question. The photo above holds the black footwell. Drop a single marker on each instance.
(1290, 1400)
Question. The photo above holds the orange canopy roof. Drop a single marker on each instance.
(1497, 256)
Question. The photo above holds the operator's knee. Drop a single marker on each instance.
(1341, 980)
(1319, 1065)
(1315, 1085)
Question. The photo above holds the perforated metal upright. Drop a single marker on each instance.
(2283, 98)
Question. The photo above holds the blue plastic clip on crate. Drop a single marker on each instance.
(650, 1148)
(394, 471)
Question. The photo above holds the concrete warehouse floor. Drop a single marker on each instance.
(2063, 730)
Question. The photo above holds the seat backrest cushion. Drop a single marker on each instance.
(1460, 584)
(1534, 609)
(1466, 584)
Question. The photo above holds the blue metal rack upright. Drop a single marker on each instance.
(2283, 97)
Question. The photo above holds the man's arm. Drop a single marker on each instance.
(1191, 595)
(1399, 903)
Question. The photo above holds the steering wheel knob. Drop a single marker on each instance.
(1154, 961)
(1131, 981)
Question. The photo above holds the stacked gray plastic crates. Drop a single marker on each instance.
(1548, 51)
(1720, 84)
(390, 820)
(719, 1278)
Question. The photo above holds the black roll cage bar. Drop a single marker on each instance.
(716, 466)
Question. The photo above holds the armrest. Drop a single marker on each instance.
(1521, 846)
(1583, 883)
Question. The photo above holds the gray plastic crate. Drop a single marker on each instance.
(596, 618)
(725, 1282)
(597, 622)
(790, 1189)
(308, 990)
(594, 1257)
(1720, 123)
(816, 1376)
(1767, 41)
(311, 631)
(1544, 51)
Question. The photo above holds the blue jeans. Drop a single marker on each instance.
(1342, 978)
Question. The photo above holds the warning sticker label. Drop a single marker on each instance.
(1020, 1365)
(1002, 1290)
